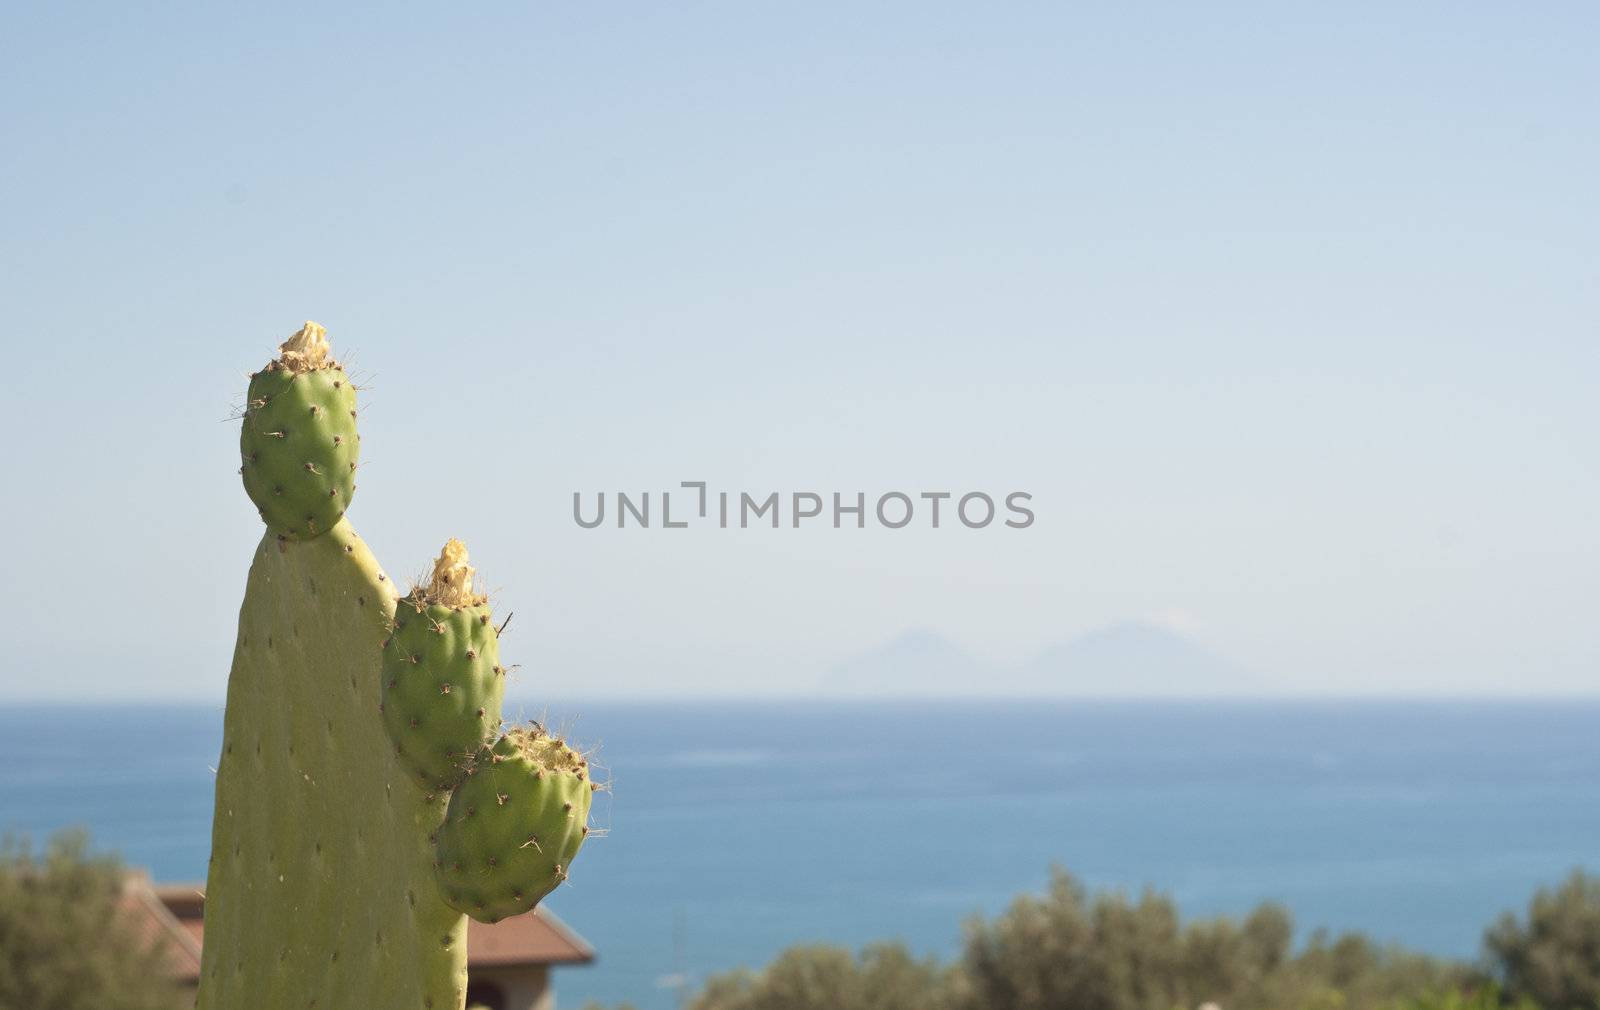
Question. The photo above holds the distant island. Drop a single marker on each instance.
(1128, 658)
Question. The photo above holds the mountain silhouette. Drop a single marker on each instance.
(917, 662)
(1135, 658)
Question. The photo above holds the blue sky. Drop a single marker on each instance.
(1286, 315)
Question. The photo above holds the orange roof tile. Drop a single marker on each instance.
(154, 923)
(537, 938)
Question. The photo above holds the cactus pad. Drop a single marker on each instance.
(320, 890)
(442, 681)
(513, 825)
(298, 444)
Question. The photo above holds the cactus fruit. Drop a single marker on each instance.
(441, 678)
(298, 443)
(320, 890)
(513, 825)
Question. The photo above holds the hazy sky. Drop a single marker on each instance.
(1286, 315)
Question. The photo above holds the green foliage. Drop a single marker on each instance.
(1066, 949)
(1060, 949)
(1552, 958)
(1352, 971)
(65, 942)
(881, 977)
(1483, 997)
(1069, 950)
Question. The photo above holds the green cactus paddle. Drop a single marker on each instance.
(442, 678)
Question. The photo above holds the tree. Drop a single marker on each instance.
(65, 941)
(1553, 958)
(1350, 970)
(1482, 997)
(883, 976)
(1068, 950)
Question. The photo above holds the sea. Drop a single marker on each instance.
(735, 829)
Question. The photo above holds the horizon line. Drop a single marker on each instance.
(193, 701)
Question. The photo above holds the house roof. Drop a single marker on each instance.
(154, 922)
(536, 938)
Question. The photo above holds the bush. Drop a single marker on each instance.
(883, 976)
(1553, 958)
(1483, 997)
(1067, 950)
(65, 943)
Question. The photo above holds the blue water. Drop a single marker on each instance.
(736, 829)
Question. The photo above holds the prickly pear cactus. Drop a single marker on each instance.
(442, 679)
(514, 825)
(320, 890)
(298, 444)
